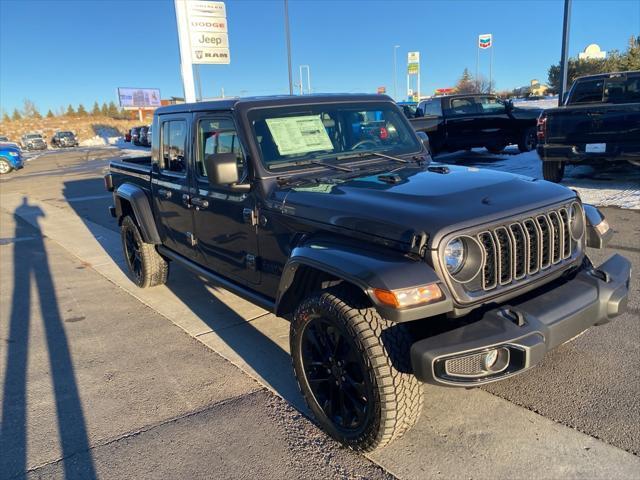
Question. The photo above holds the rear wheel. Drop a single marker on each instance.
(354, 371)
(5, 167)
(528, 140)
(146, 267)
(553, 171)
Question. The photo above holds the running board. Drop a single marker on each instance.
(241, 291)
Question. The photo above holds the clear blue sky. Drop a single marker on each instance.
(58, 52)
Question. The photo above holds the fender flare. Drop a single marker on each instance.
(367, 270)
(141, 206)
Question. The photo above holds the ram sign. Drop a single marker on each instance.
(139, 97)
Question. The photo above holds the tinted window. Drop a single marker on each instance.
(174, 142)
(462, 106)
(218, 136)
(588, 91)
(622, 89)
(491, 105)
(433, 107)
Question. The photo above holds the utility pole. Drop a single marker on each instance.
(288, 35)
(395, 72)
(565, 51)
(302, 67)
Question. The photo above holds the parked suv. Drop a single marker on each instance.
(64, 139)
(144, 138)
(393, 270)
(598, 123)
(33, 141)
(135, 135)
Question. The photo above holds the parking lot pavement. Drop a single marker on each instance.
(95, 384)
(493, 436)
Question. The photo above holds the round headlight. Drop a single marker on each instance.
(454, 254)
(576, 221)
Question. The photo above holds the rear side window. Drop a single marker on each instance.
(491, 105)
(174, 142)
(622, 89)
(588, 91)
(462, 106)
(433, 107)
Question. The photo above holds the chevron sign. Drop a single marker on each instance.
(484, 41)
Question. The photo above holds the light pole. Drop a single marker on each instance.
(286, 29)
(395, 71)
(565, 50)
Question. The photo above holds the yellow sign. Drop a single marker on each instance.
(413, 68)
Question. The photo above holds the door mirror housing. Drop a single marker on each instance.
(508, 104)
(425, 140)
(221, 168)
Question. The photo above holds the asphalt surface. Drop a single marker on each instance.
(590, 384)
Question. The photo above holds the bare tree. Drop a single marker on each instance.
(30, 110)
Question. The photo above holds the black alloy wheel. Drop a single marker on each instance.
(336, 375)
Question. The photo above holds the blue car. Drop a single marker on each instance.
(10, 158)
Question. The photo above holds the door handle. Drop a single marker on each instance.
(186, 200)
(164, 193)
(199, 203)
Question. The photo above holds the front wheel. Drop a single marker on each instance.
(353, 370)
(145, 266)
(553, 171)
(5, 167)
(528, 140)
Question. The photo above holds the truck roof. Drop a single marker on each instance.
(272, 100)
(608, 75)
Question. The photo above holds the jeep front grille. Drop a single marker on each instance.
(525, 247)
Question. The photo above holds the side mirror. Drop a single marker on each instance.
(425, 141)
(508, 104)
(221, 168)
(419, 113)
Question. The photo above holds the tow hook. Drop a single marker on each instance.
(514, 316)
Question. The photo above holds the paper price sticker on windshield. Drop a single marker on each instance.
(295, 135)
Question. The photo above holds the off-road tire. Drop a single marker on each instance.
(154, 269)
(553, 171)
(384, 348)
(528, 140)
(5, 167)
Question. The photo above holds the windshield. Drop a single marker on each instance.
(65, 134)
(289, 136)
(33, 136)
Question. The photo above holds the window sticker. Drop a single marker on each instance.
(295, 135)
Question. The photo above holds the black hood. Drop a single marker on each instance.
(420, 200)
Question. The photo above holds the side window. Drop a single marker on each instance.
(433, 107)
(589, 91)
(622, 90)
(491, 105)
(174, 142)
(462, 106)
(218, 136)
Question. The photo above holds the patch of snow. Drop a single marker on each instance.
(544, 103)
(616, 184)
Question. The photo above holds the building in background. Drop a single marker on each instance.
(592, 52)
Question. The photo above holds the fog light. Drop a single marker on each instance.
(490, 359)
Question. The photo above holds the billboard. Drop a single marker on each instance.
(139, 97)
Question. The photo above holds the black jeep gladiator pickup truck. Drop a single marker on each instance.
(599, 122)
(464, 121)
(393, 270)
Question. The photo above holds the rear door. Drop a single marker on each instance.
(493, 123)
(461, 130)
(170, 184)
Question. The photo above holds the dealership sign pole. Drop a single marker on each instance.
(203, 37)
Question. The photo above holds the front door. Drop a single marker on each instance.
(170, 185)
(225, 223)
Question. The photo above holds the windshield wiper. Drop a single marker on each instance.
(374, 153)
(330, 165)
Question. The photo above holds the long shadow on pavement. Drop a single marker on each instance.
(31, 264)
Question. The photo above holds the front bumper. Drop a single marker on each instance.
(524, 332)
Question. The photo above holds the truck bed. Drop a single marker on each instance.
(136, 170)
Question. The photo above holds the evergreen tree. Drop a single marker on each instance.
(466, 83)
(82, 112)
(113, 110)
(5, 117)
(96, 109)
(16, 115)
(50, 114)
(70, 111)
(104, 110)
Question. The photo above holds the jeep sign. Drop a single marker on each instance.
(207, 27)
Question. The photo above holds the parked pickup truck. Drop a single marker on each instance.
(599, 122)
(459, 122)
(393, 270)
